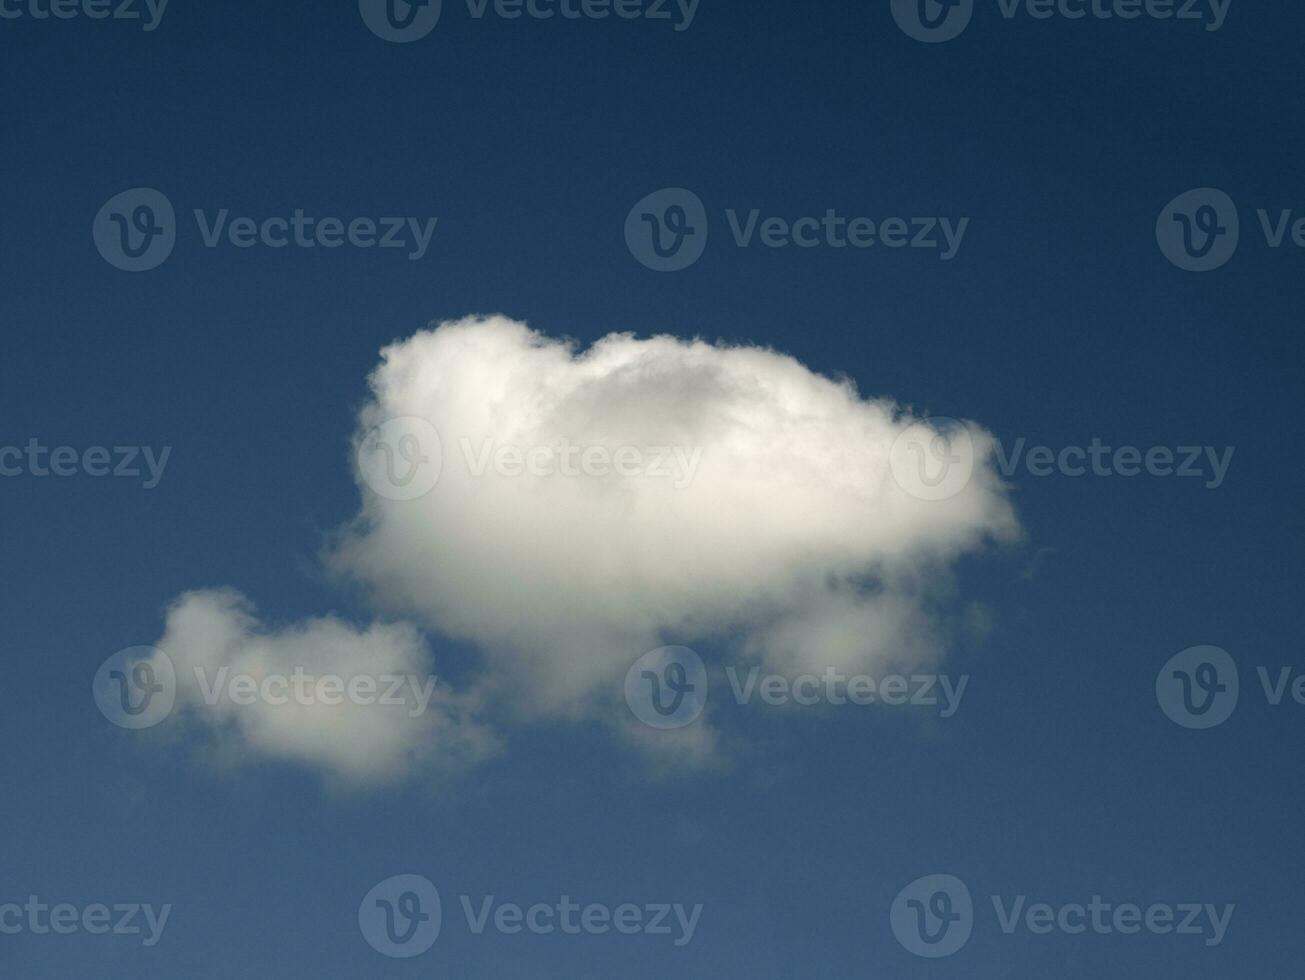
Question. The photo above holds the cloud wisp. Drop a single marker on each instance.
(360, 706)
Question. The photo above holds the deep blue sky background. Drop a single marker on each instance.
(1060, 321)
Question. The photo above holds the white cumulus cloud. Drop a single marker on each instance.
(591, 505)
(756, 509)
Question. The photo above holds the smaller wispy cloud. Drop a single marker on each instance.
(360, 705)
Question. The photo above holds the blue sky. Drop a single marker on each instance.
(1059, 320)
